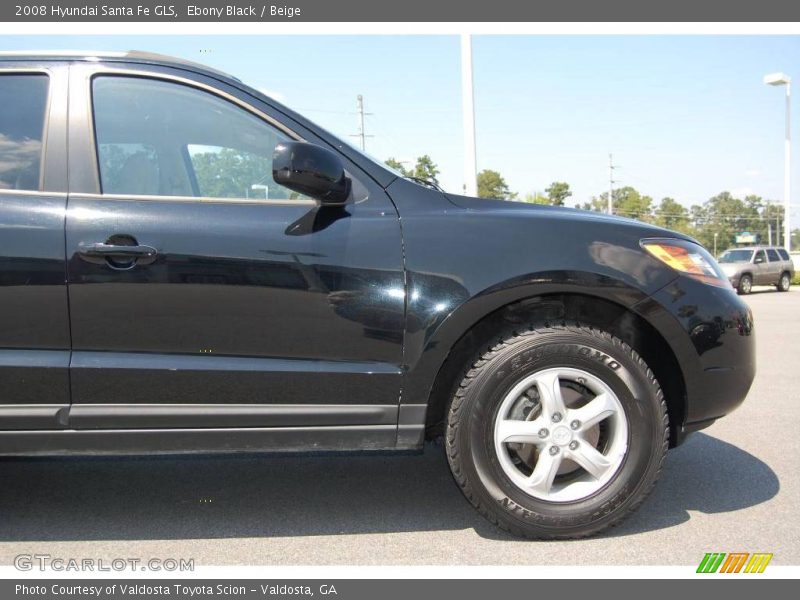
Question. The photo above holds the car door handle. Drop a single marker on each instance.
(101, 252)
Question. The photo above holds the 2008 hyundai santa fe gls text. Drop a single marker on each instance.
(186, 265)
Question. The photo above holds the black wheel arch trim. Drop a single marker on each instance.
(421, 376)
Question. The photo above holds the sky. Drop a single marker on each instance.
(684, 116)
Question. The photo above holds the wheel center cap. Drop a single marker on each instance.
(562, 436)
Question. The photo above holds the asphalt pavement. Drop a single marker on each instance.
(732, 487)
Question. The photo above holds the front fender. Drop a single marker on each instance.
(466, 260)
(435, 325)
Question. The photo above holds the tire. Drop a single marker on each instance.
(577, 503)
(745, 285)
(784, 283)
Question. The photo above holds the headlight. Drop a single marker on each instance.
(688, 258)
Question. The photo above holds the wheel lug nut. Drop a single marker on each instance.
(556, 417)
(573, 445)
(575, 424)
(553, 450)
(543, 433)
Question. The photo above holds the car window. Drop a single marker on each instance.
(773, 255)
(734, 256)
(23, 102)
(784, 254)
(232, 173)
(159, 138)
(760, 257)
(118, 165)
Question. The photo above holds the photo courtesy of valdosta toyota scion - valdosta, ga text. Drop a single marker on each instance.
(175, 589)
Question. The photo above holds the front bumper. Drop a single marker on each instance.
(711, 331)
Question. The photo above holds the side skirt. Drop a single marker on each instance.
(181, 441)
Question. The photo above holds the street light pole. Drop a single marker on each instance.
(787, 170)
(778, 79)
(468, 117)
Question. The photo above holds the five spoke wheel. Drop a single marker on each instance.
(561, 434)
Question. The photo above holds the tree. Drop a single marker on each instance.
(558, 192)
(397, 166)
(114, 157)
(230, 173)
(696, 216)
(426, 169)
(626, 202)
(492, 185)
(672, 215)
(721, 218)
(556, 195)
(771, 220)
(725, 216)
(537, 198)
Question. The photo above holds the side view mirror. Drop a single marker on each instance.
(311, 170)
(758, 260)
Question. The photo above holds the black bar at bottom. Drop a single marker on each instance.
(388, 589)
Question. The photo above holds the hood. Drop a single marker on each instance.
(731, 269)
(561, 212)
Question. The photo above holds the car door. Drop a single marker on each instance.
(203, 294)
(774, 268)
(786, 261)
(760, 268)
(34, 327)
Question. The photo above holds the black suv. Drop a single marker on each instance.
(186, 265)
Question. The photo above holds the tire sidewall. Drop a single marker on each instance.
(745, 289)
(629, 380)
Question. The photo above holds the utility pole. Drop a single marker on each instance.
(611, 183)
(362, 133)
(777, 224)
(769, 224)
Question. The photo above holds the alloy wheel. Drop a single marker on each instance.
(561, 434)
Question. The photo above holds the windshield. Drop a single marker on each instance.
(736, 256)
